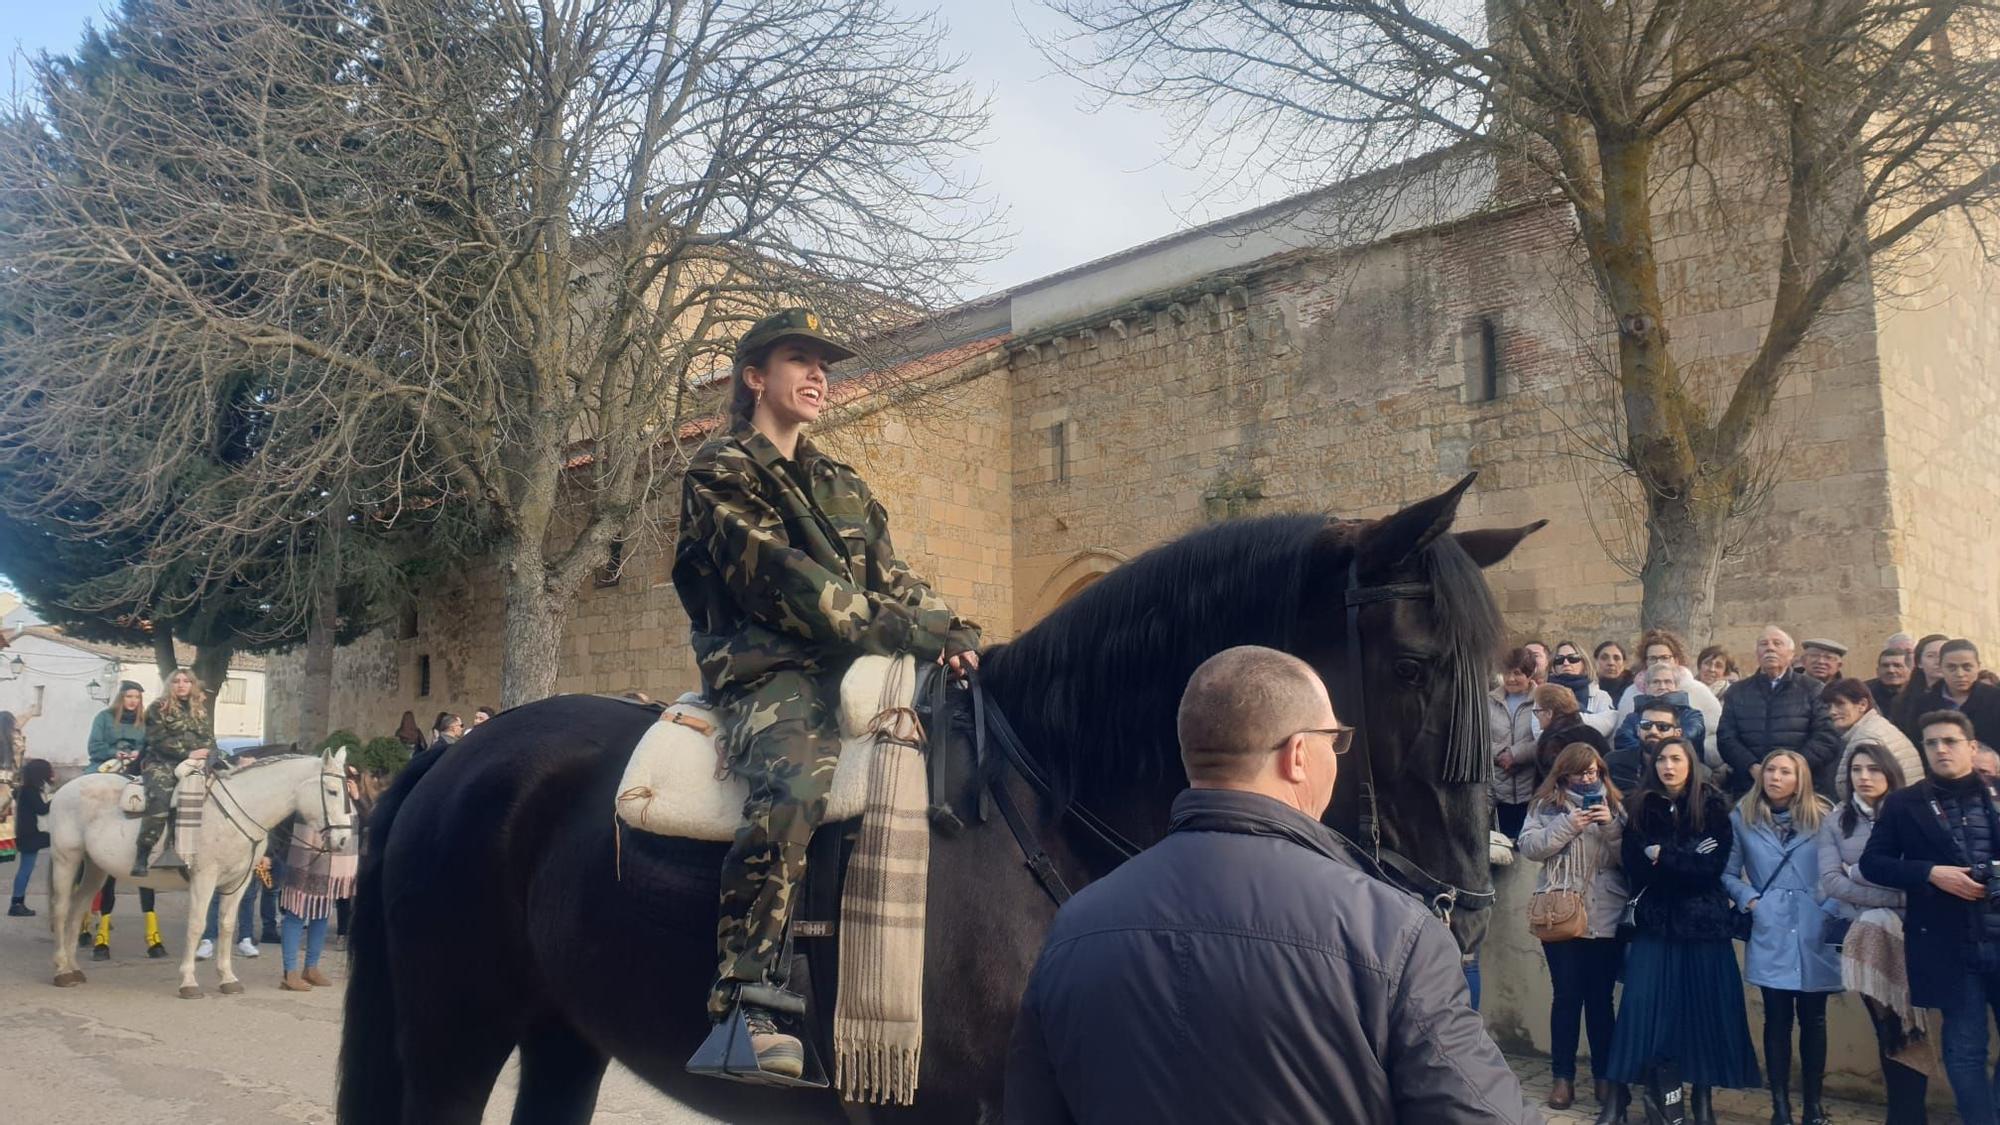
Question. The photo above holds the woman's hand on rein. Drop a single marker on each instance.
(961, 665)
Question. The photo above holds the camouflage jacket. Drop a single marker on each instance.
(173, 732)
(787, 564)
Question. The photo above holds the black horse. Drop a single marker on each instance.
(497, 911)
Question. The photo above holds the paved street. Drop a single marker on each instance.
(125, 1046)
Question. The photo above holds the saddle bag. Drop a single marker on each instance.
(1558, 913)
(132, 798)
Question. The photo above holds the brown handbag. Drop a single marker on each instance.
(1558, 914)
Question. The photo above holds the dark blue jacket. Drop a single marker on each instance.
(1759, 717)
(1244, 970)
(1944, 936)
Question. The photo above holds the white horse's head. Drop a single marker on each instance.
(324, 800)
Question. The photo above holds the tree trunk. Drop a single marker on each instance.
(211, 666)
(534, 631)
(1683, 556)
(316, 692)
(163, 653)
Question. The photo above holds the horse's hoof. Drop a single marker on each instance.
(100, 953)
(190, 992)
(69, 979)
(229, 988)
(156, 950)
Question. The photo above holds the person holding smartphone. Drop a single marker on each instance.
(1574, 828)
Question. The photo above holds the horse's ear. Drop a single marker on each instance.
(1394, 539)
(1488, 545)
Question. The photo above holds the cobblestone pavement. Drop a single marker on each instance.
(1732, 1107)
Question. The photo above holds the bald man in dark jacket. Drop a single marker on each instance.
(1244, 969)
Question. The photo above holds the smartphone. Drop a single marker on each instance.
(1591, 801)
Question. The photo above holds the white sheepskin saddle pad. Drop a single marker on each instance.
(676, 783)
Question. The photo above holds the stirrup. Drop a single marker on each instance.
(727, 1053)
(170, 858)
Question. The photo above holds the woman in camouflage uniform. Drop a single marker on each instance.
(178, 729)
(786, 570)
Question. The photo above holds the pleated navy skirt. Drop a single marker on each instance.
(1683, 1001)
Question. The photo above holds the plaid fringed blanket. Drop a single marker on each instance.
(878, 1019)
(189, 798)
(1871, 963)
(315, 877)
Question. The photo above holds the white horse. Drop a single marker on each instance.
(89, 833)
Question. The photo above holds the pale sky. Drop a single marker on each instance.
(1073, 185)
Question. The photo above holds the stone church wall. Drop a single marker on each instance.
(1939, 320)
(1352, 385)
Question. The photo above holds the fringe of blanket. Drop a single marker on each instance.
(1872, 964)
(315, 878)
(878, 1021)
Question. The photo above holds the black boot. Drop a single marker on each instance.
(1613, 1099)
(1701, 1106)
(1781, 1101)
(1663, 1104)
(1906, 1093)
(150, 831)
(19, 909)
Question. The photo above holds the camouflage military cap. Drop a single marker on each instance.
(787, 323)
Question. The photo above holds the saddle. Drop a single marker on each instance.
(132, 798)
(678, 781)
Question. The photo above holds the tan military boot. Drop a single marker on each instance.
(316, 978)
(777, 1052)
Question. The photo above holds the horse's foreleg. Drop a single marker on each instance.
(201, 891)
(225, 934)
(69, 900)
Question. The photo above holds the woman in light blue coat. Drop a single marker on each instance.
(1773, 874)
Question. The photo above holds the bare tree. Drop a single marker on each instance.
(1846, 128)
(484, 256)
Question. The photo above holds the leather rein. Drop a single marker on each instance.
(1439, 896)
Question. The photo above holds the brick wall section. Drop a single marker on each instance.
(939, 462)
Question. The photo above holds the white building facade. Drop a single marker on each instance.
(58, 684)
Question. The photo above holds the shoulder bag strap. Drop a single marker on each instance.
(1785, 859)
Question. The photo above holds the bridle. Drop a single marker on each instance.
(219, 788)
(1439, 896)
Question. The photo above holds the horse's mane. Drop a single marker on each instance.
(1096, 685)
(265, 760)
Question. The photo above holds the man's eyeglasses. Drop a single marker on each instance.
(1341, 737)
(1654, 724)
(1567, 658)
(1934, 743)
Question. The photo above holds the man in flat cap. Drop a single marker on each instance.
(1824, 659)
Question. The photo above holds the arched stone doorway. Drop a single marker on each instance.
(1072, 578)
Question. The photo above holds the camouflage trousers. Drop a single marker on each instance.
(159, 780)
(783, 738)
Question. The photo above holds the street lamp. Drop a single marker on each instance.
(16, 667)
(97, 692)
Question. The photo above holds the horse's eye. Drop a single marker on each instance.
(1409, 671)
